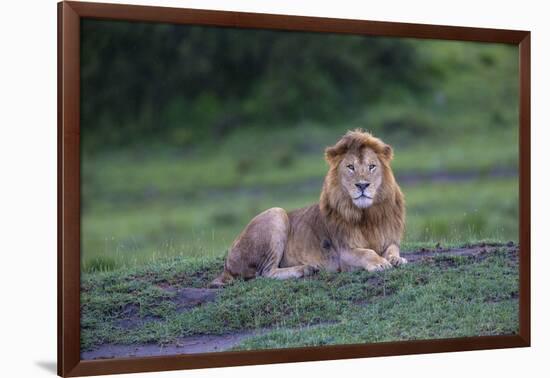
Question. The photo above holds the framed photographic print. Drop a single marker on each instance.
(240, 188)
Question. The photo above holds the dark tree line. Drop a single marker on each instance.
(171, 82)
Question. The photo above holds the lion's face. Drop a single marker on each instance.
(360, 176)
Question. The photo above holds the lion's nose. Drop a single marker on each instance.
(362, 186)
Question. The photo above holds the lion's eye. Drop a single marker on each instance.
(371, 167)
(351, 167)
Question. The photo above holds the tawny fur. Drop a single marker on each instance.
(334, 234)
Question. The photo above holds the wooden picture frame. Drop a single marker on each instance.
(69, 17)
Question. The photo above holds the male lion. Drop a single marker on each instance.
(358, 222)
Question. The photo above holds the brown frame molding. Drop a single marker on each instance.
(69, 15)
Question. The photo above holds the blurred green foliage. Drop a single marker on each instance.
(178, 83)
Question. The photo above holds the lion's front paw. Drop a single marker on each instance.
(382, 264)
(397, 260)
(309, 270)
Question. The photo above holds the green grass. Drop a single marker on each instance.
(442, 297)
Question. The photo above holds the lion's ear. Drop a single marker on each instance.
(387, 151)
(332, 153)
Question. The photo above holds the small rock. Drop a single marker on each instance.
(510, 244)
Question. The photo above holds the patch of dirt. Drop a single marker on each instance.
(130, 317)
(477, 251)
(186, 345)
(190, 297)
(185, 299)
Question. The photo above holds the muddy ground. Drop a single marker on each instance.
(188, 298)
